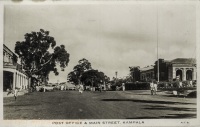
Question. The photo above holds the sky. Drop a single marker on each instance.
(112, 37)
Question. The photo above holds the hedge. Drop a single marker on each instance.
(137, 86)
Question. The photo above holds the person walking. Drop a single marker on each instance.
(155, 85)
(16, 93)
(191, 84)
(123, 86)
(180, 84)
(81, 89)
(152, 87)
(100, 88)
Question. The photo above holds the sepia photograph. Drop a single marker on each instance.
(116, 63)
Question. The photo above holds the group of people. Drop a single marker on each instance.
(153, 87)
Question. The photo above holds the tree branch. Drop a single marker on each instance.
(42, 65)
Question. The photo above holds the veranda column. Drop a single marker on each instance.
(23, 81)
(194, 74)
(174, 73)
(20, 81)
(26, 82)
(17, 82)
(184, 74)
(14, 78)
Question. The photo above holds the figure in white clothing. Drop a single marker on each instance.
(16, 90)
(155, 87)
(152, 88)
(180, 84)
(123, 86)
(81, 88)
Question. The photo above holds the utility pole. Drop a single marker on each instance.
(92, 85)
(157, 44)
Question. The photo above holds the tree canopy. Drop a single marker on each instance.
(36, 56)
(83, 73)
(93, 77)
(75, 75)
(135, 73)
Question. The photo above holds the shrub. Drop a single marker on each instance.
(137, 86)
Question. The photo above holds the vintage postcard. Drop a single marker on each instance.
(99, 63)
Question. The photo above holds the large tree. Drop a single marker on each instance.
(39, 54)
(135, 73)
(75, 75)
(93, 77)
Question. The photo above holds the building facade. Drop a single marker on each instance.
(135, 73)
(183, 69)
(13, 74)
(147, 73)
(163, 70)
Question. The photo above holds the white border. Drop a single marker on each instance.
(147, 122)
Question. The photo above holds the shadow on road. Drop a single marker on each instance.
(178, 116)
(169, 116)
(170, 108)
(145, 117)
(147, 101)
(22, 105)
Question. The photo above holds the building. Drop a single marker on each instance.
(182, 68)
(147, 73)
(135, 73)
(13, 74)
(169, 70)
(163, 70)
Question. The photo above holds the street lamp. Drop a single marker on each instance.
(116, 74)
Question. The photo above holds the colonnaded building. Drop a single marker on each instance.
(13, 74)
(169, 70)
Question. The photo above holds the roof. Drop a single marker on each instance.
(9, 51)
(183, 61)
(67, 84)
(147, 68)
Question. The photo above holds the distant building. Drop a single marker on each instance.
(163, 70)
(181, 68)
(13, 75)
(169, 70)
(135, 73)
(147, 73)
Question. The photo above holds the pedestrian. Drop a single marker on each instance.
(15, 93)
(100, 88)
(151, 88)
(81, 89)
(180, 84)
(123, 86)
(155, 87)
(191, 84)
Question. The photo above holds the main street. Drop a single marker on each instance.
(99, 105)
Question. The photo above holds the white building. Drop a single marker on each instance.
(13, 74)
